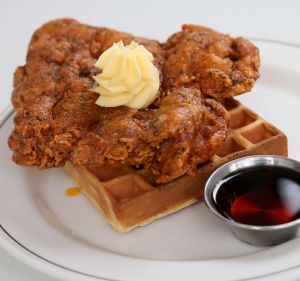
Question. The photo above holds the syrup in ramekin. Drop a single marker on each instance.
(261, 196)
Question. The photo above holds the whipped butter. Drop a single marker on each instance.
(128, 76)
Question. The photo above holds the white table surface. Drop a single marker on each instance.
(277, 20)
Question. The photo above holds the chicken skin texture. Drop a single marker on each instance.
(216, 64)
(185, 131)
(57, 119)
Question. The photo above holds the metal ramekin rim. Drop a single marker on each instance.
(209, 190)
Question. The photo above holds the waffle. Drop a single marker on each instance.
(130, 197)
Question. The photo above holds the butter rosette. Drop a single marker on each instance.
(128, 76)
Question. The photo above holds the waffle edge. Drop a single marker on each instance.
(129, 198)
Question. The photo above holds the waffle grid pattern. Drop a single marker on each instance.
(129, 197)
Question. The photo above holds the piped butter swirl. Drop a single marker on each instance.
(128, 76)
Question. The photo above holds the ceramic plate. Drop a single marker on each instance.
(67, 238)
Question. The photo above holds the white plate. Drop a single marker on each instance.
(68, 239)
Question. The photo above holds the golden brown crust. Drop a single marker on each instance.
(61, 57)
(57, 119)
(54, 105)
(190, 130)
(215, 63)
(185, 131)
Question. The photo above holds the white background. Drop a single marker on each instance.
(277, 20)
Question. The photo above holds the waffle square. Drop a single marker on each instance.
(130, 197)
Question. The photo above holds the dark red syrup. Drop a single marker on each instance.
(260, 196)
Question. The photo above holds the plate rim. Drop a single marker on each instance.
(12, 246)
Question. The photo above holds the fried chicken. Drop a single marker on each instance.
(57, 119)
(61, 56)
(215, 63)
(189, 130)
(185, 131)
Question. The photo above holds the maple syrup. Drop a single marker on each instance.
(73, 191)
(260, 196)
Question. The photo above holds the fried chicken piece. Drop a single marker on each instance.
(172, 140)
(57, 119)
(218, 65)
(62, 55)
(54, 105)
(189, 130)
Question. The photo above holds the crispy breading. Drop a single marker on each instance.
(185, 131)
(215, 63)
(57, 119)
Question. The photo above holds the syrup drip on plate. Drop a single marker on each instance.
(73, 191)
